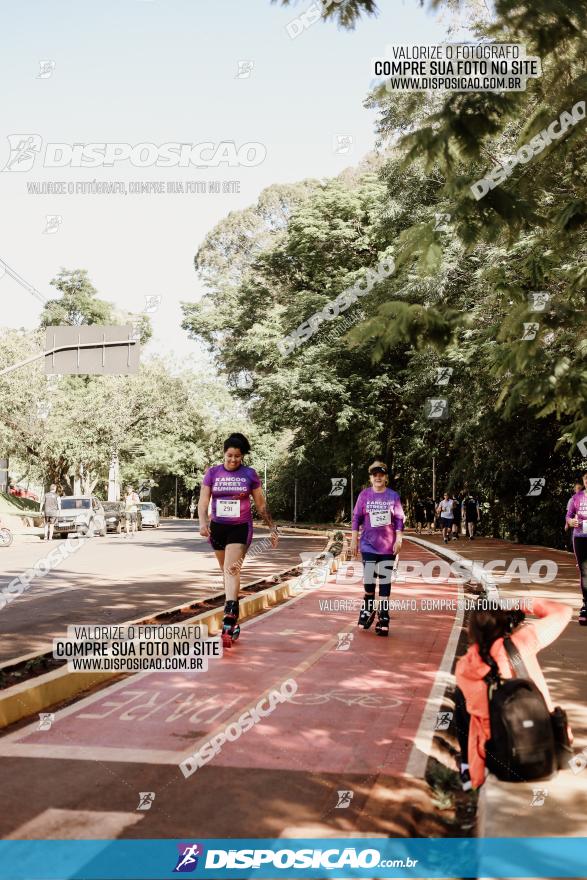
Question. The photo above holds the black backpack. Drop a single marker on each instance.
(522, 744)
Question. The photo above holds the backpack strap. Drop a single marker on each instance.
(517, 664)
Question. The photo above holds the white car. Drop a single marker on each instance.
(82, 514)
(150, 514)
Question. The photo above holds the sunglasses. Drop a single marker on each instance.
(378, 470)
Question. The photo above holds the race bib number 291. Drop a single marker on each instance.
(230, 508)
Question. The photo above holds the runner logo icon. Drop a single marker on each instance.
(187, 860)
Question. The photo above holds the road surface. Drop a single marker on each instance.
(118, 578)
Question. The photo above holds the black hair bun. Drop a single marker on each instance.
(237, 441)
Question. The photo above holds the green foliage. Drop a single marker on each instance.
(459, 297)
(346, 13)
(78, 303)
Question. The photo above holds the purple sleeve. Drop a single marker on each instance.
(358, 513)
(399, 517)
(571, 509)
(254, 476)
(208, 478)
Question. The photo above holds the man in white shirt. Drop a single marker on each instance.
(445, 509)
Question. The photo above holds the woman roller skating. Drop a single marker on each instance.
(379, 514)
(230, 485)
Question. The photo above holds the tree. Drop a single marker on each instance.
(343, 396)
(78, 303)
(524, 236)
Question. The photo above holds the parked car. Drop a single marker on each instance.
(115, 513)
(116, 517)
(82, 514)
(150, 514)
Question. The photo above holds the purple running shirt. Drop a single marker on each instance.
(381, 515)
(231, 490)
(577, 507)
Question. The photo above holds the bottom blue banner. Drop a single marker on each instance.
(227, 859)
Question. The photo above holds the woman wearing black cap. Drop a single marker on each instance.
(380, 516)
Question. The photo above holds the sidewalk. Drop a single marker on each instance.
(558, 806)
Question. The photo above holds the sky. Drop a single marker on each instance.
(161, 71)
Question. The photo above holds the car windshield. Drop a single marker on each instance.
(75, 504)
(147, 506)
(111, 506)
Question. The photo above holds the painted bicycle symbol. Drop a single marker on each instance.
(367, 701)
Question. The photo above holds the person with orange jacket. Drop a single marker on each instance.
(488, 625)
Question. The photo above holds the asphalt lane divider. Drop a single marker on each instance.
(40, 693)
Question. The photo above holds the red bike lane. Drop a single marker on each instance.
(363, 710)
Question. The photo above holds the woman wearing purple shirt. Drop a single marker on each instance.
(230, 486)
(577, 520)
(380, 516)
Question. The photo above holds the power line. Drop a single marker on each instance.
(20, 280)
(30, 288)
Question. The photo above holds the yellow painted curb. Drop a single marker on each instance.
(38, 694)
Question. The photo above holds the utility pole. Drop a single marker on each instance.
(352, 489)
(265, 479)
(295, 501)
(176, 497)
(434, 478)
(114, 478)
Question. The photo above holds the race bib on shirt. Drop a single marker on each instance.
(585, 526)
(228, 508)
(380, 518)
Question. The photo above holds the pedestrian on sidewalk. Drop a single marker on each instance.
(445, 511)
(192, 508)
(419, 515)
(379, 517)
(456, 513)
(576, 519)
(131, 503)
(471, 514)
(487, 628)
(51, 508)
(430, 514)
(229, 529)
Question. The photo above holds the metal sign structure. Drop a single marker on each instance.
(92, 349)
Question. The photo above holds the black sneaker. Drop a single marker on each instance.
(466, 783)
(583, 616)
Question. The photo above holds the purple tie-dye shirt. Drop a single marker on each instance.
(381, 515)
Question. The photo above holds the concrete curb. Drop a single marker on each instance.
(421, 748)
(44, 691)
(478, 573)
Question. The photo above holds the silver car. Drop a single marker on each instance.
(82, 514)
(150, 514)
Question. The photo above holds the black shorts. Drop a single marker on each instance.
(446, 522)
(222, 534)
